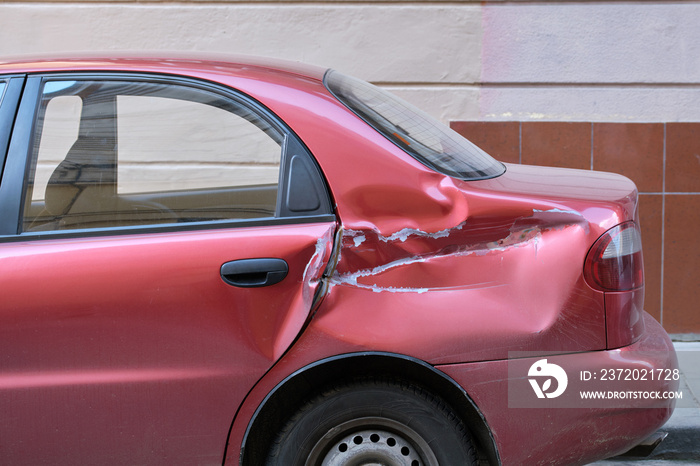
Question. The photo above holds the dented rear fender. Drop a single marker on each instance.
(500, 269)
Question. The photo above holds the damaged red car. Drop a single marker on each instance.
(246, 261)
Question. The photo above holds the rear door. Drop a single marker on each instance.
(161, 245)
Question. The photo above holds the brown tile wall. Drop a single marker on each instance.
(663, 159)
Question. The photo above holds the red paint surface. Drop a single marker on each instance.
(573, 435)
(132, 349)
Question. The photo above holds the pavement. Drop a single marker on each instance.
(682, 445)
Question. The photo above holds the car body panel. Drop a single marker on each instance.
(520, 435)
(514, 260)
(136, 341)
(574, 429)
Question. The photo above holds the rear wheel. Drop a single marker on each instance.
(373, 423)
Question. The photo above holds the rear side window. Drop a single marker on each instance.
(2, 90)
(414, 131)
(122, 153)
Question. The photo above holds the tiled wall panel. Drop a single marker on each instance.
(557, 144)
(651, 212)
(681, 293)
(683, 157)
(631, 149)
(663, 159)
(500, 137)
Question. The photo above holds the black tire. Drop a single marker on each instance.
(373, 422)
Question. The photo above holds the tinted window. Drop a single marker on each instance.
(115, 153)
(2, 90)
(417, 133)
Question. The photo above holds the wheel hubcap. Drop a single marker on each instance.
(372, 442)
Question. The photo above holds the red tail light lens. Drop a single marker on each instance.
(615, 262)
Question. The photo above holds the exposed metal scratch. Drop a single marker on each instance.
(527, 237)
(403, 235)
(559, 211)
(313, 270)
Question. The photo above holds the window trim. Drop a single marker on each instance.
(210, 225)
(9, 101)
(22, 142)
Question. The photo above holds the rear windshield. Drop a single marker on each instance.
(417, 133)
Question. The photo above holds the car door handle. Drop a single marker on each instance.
(252, 273)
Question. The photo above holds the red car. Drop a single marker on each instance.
(254, 262)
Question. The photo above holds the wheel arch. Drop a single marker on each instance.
(291, 393)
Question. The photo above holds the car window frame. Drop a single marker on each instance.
(19, 153)
(9, 110)
(9, 99)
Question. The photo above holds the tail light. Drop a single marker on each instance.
(615, 263)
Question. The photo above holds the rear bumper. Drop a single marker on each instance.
(572, 428)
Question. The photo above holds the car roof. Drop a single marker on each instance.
(161, 62)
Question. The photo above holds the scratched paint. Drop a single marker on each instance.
(314, 269)
(521, 238)
(411, 246)
(497, 263)
(508, 282)
(313, 272)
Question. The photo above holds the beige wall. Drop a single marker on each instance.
(426, 52)
(577, 60)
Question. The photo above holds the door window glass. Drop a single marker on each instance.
(116, 153)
